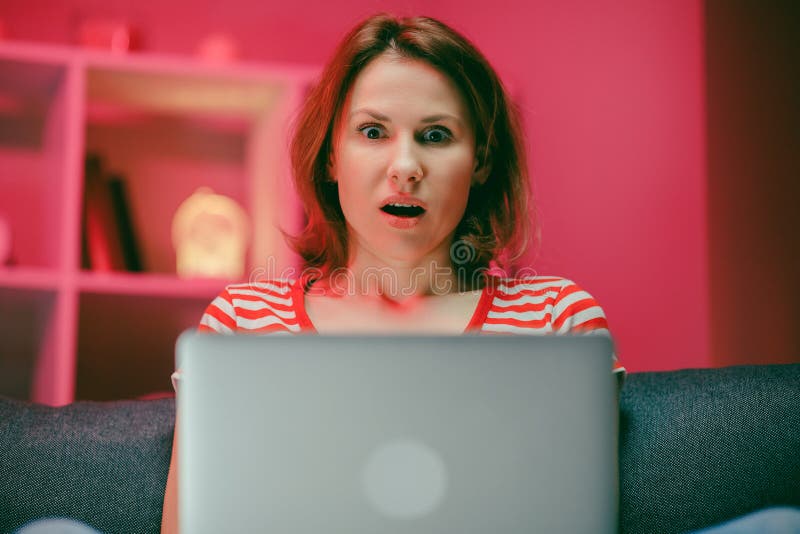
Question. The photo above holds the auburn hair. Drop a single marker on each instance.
(497, 222)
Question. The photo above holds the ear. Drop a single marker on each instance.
(480, 173)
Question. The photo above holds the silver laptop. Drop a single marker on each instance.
(466, 434)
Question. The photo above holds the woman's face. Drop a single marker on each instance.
(404, 160)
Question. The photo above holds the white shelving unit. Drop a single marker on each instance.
(169, 125)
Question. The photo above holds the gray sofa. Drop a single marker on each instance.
(697, 447)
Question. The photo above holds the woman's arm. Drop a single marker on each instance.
(169, 516)
(218, 318)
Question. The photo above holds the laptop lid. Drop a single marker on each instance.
(339, 434)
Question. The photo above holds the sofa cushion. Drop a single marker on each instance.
(702, 446)
(104, 463)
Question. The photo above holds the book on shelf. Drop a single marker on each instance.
(109, 238)
(127, 230)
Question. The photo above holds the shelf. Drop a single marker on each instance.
(26, 86)
(149, 285)
(165, 126)
(29, 278)
(126, 343)
(33, 125)
(197, 95)
(33, 52)
(163, 161)
(169, 133)
(26, 324)
(36, 52)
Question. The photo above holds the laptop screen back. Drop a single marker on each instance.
(309, 434)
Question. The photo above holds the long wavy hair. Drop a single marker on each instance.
(497, 223)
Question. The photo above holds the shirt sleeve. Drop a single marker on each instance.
(220, 315)
(218, 318)
(577, 312)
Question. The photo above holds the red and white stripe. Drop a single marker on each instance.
(543, 305)
(263, 308)
(540, 305)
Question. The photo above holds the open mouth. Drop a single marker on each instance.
(403, 210)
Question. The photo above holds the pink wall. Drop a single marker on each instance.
(612, 93)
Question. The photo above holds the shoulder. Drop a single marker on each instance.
(260, 306)
(550, 286)
(268, 290)
(544, 304)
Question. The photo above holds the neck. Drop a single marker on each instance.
(399, 282)
(392, 281)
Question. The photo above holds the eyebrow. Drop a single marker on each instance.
(427, 120)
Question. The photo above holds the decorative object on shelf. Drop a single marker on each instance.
(107, 34)
(218, 48)
(5, 241)
(210, 233)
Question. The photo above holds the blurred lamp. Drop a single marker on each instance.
(210, 233)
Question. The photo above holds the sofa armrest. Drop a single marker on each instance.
(701, 446)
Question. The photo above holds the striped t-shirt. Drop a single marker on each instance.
(540, 305)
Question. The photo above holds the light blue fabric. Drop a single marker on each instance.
(779, 520)
(57, 526)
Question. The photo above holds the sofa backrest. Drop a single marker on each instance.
(104, 463)
(697, 447)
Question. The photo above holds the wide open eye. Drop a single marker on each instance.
(437, 135)
(371, 131)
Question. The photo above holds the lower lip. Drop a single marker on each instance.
(402, 223)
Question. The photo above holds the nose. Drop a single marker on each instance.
(405, 166)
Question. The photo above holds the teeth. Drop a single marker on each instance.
(402, 205)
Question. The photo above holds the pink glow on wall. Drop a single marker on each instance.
(612, 100)
(616, 125)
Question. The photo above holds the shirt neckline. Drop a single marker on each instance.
(475, 323)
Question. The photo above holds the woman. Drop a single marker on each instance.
(410, 163)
